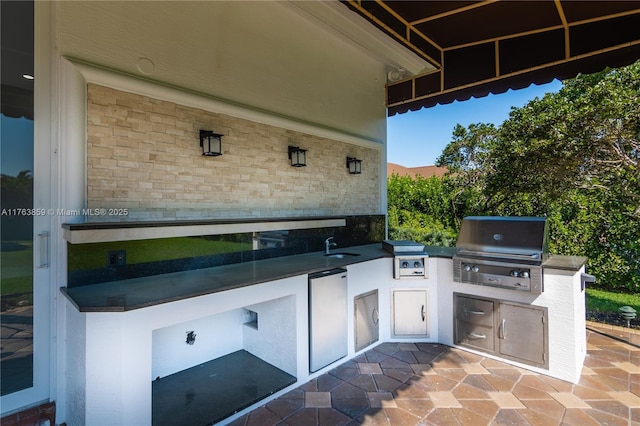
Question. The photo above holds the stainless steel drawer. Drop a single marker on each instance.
(476, 311)
(475, 335)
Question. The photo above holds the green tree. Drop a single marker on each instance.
(572, 156)
(420, 209)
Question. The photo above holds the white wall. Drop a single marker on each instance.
(216, 335)
(259, 54)
(274, 341)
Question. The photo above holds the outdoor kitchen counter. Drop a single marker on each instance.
(553, 261)
(567, 263)
(126, 295)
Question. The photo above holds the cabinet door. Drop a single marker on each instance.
(522, 333)
(474, 335)
(366, 319)
(410, 313)
(476, 311)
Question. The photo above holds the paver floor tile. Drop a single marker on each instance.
(549, 407)
(535, 418)
(523, 392)
(388, 348)
(364, 382)
(285, 407)
(404, 356)
(627, 398)
(370, 368)
(628, 367)
(411, 391)
(557, 384)
(262, 416)
(400, 374)
(317, 399)
(575, 416)
(506, 400)
(441, 383)
(509, 417)
(393, 362)
(408, 347)
(304, 417)
(373, 417)
(422, 369)
(386, 384)
(381, 399)
(587, 394)
(351, 407)
(408, 384)
(329, 416)
(615, 408)
(468, 417)
(418, 407)
(479, 382)
(483, 407)
(465, 391)
(475, 368)
(442, 416)
(444, 400)
(603, 418)
(455, 374)
(569, 400)
(398, 416)
(326, 382)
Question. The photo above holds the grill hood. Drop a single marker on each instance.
(504, 237)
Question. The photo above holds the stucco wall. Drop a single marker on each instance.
(143, 154)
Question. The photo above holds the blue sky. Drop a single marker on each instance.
(16, 137)
(417, 138)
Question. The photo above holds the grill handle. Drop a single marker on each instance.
(532, 256)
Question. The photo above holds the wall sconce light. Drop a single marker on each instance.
(297, 156)
(354, 165)
(211, 143)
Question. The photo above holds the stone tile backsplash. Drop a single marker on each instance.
(143, 155)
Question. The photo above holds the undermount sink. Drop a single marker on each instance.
(341, 255)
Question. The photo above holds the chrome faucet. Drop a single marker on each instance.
(328, 244)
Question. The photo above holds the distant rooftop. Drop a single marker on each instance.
(424, 171)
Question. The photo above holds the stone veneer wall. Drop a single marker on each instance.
(143, 154)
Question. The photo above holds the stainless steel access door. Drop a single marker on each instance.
(327, 318)
(365, 310)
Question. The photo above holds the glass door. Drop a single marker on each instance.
(24, 288)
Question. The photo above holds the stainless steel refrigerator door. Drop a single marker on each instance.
(327, 318)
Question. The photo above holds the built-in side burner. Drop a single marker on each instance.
(410, 259)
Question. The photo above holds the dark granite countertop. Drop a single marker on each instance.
(125, 295)
(136, 293)
(568, 263)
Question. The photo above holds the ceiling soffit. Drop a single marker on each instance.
(482, 47)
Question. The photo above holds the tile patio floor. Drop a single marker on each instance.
(433, 384)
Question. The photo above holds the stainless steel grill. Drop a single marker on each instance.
(500, 251)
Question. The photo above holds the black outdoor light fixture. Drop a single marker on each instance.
(211, 143)
(297, 156)
(354, 165)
